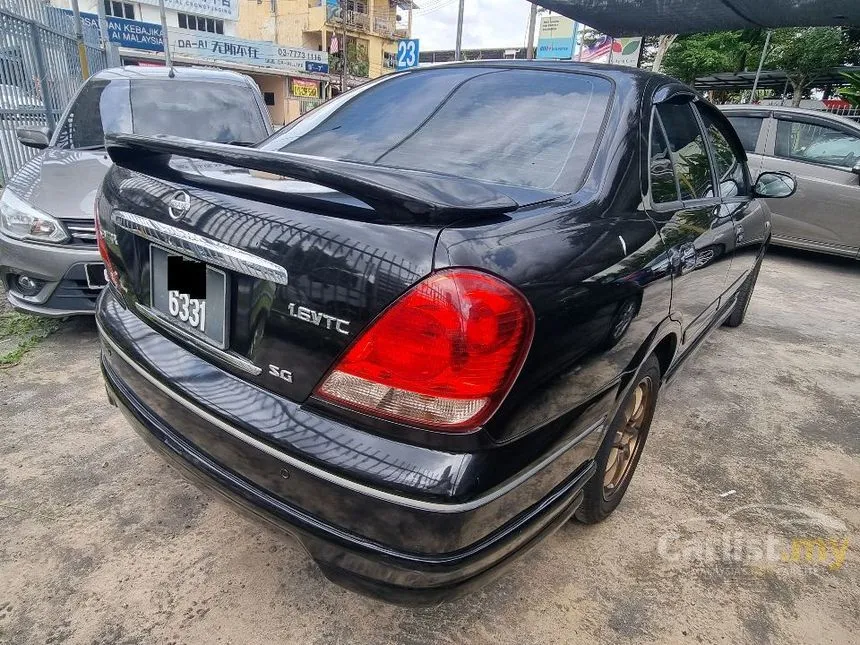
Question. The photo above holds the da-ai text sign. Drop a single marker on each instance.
(128, 33)
(556, 37)
(224, 9)
(258, 53)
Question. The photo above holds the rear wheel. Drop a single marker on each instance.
(619, 453)
(744, 296)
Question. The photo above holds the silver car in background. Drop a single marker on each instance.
(49, 260)
(823, 151)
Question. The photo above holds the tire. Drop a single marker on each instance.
(744, 296)
(604, 492)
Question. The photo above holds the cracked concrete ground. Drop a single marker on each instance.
(101, 542)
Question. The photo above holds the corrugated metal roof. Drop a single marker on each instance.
(653, 17)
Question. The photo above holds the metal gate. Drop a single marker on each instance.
(40, 71)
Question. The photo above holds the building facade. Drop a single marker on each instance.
(372, 30)
(292, 77)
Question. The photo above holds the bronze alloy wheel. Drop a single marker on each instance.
(627, 437)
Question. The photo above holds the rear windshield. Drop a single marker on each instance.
(209, 111)
(521, 127)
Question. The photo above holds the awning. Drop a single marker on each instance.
(773, 79)
(654, 17)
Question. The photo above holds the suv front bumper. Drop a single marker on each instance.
(65, 292)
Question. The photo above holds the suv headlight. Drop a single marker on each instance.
(22, 221)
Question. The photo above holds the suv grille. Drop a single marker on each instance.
(82, 231)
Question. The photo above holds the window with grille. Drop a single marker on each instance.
(200, 23)
(119, 9)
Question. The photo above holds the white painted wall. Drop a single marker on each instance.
(142, 12)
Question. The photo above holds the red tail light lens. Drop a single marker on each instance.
(442, 357)
(110, 271)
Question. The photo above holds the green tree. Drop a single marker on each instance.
(805, 53)
(852, 92)
(702, 54)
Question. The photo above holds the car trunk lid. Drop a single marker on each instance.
(308, 262)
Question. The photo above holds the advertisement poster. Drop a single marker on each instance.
(556, 38)
(304, 89)
(626, 51)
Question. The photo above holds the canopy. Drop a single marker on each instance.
(773, 79)
(654, 17)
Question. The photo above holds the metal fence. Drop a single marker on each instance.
(40, 70)
(850, 113)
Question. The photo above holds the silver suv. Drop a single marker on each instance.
(49, 261)
(823, 151)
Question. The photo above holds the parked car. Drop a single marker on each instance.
(49, 262)
(823, 151)
(428, 322)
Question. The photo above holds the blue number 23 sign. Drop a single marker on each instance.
(407, 54)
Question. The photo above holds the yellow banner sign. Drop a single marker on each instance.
(305, 89)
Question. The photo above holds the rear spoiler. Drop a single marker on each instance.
(404, 195)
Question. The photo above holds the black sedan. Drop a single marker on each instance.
(426, 324)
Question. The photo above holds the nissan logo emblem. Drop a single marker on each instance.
(179, 204)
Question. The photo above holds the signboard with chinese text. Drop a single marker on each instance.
(196, 44)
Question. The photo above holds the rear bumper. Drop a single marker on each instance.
(346, 559)
(370, 538)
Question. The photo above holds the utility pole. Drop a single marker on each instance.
(110, 48)
(79, 37)
(409, 20)
(760, 64)
(459, 44)
(168, 60)
(530, 47)
(345, 52)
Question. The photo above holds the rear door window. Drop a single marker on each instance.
(522, 127)
(689, 153)
(731, 171)
(748, 129)
(816, 143)
(664, 186)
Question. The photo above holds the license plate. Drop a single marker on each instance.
(95, 275)
(190, 294)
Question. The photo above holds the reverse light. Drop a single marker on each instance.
(442, 357)
(110, 271)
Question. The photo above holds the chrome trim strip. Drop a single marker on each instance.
(200, 248)
(400, 500)
(623, 245)
(236, 361)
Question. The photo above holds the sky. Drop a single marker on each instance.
(487, 23)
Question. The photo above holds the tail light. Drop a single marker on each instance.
(442, 357)
(110, 271)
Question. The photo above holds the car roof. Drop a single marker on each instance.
(130, 72)
(782, 109)
(612, 71)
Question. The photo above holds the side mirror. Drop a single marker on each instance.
(856, 168)
(34, 136)
(775, 185)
